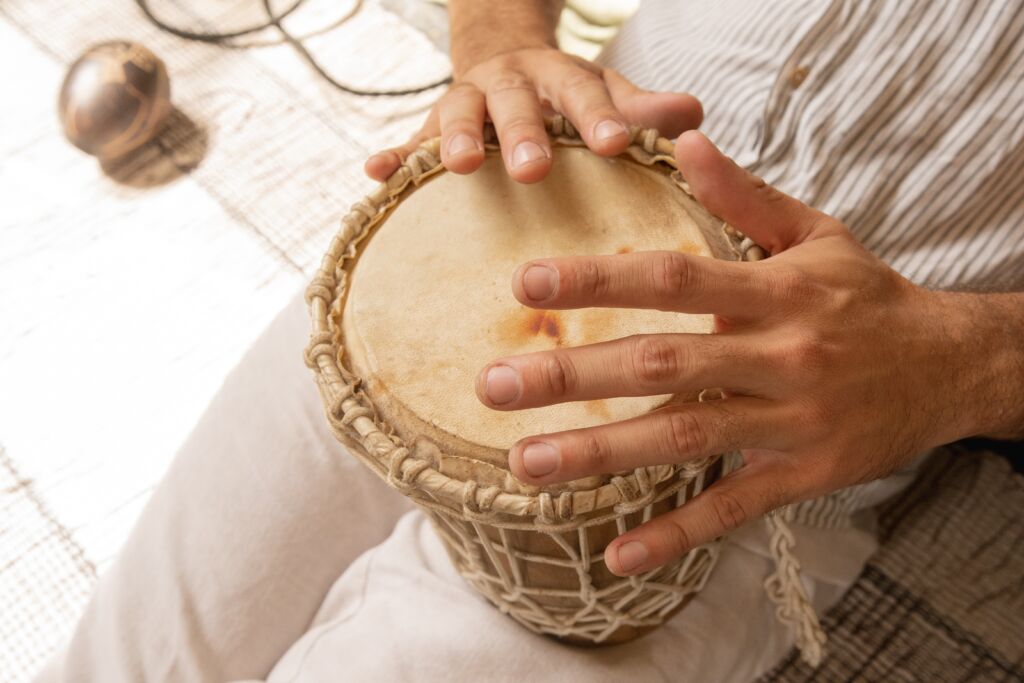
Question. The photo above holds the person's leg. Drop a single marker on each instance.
(259, 514)
(402, 613)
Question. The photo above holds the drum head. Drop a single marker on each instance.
(429, 301)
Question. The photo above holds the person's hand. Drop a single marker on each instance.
(514, 89)
(836, 370)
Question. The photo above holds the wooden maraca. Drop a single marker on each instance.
(115, 98)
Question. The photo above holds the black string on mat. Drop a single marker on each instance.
(274, 20)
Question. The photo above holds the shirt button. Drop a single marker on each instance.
(798, 76)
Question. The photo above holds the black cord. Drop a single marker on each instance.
(274, 21)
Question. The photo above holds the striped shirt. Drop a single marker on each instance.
(902, 118)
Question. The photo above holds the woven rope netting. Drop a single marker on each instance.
(491, 560)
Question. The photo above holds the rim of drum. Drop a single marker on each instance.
(355, 422)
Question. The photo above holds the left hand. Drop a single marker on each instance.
(836, 369)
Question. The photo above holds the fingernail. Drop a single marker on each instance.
(462, 143)
(632, 555)
(540, 459)
(502, 384)
(525, 152)
(540, 282)
(608, 129)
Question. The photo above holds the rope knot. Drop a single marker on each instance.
(419, 162)
(354, 414)
(546, 515)
(319, 344)
(650, 141)
(469, 496)
(322, 287)
(362, 211)
(562, 127)
(398, 457)
(565, 505)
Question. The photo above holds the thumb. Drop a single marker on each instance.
(668, 113)
(771, 218)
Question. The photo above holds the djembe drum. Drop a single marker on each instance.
(413, 298)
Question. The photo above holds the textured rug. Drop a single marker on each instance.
(943, 599)
(45, 578)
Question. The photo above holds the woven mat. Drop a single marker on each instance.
(45, 578)
(943, 599)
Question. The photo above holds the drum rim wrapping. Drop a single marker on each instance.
(354, 421)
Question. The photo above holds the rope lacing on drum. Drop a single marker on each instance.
(322, 287)
(319, 344)
(350, 410)
(476, 499)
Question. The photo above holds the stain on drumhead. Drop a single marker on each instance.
(430, 300)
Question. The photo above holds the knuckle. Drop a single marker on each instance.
(673, 275)
(727, 510)
(462, 123)
(809, 353)
(594, 454)
(461, 90)
(580, 82)
(592, 280)
(522, 126)
(558, 375)
(676, 538)
(655, 360)
(686, 435)
(509, 81)
(796, 286)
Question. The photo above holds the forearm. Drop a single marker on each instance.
(991, 344)
(480, 30)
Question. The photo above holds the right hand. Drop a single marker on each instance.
(513, 89)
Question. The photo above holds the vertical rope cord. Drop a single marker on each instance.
(785, 589)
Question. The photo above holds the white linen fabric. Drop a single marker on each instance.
(262, 510)
(904, 119)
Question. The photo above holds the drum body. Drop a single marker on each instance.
(413, 298)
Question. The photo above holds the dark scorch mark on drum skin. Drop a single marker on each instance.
(548, 323)
(523, 326)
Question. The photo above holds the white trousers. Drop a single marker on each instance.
(269, 553)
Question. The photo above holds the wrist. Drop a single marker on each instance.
(482, 31)
(983, 333)
(472, 55)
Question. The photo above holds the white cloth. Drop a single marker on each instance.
(262, 511)
(402, 613)
(901, 118)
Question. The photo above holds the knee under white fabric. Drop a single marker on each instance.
(262, 511)
(401, 612)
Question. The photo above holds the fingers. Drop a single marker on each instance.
(516, 112)
(669, 113)
(741, 496)
(461, 112)
(774, 220)
(660, 280)
(643, 365)
(381, 165)
(581, 95)
(670, 435)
